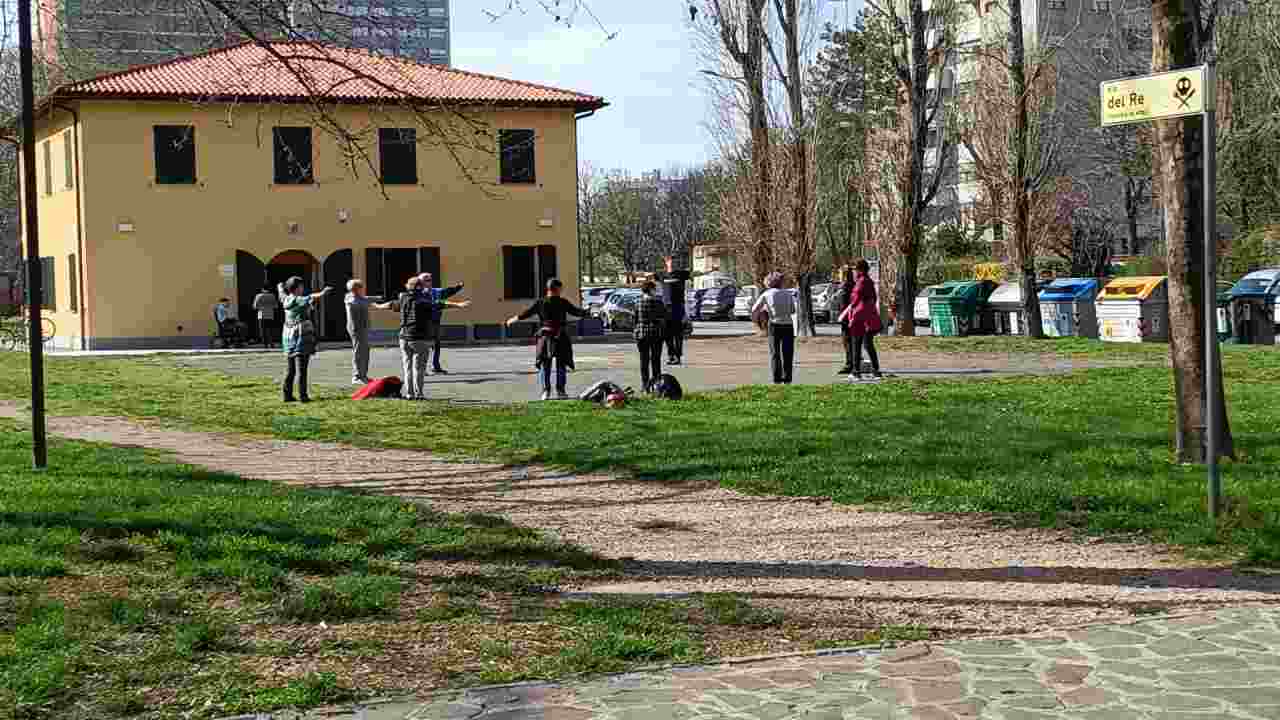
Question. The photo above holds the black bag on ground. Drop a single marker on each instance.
(667, 387)
(599, 391)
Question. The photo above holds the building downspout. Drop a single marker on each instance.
(79, 177)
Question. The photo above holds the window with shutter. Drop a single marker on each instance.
(293, 161)
(519, 268)
(398, 155)
(73, 285)
(546, 265)
(175, 149)
(48, 294)
(516, 148)
(375, 279)
(429, 262)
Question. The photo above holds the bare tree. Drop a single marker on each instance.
(1012, 131)
(733, 39)
(924, 44)
(590, 242)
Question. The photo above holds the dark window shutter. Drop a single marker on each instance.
(48, 294)
(73, 285)
(508, 272)
(398, 155)
(516, 156)
(429, 262)
(293, 159)
(375, 281)
(546, 264)
(175, 150)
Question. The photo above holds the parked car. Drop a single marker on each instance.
(593, 298)
(920, 312)
(718, 303)
(821, 294)
(745, 299)
(619, 310)
(619, 313)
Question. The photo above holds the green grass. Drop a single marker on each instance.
(202, 555)
(1088, 450)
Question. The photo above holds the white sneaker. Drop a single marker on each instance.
(546, 394)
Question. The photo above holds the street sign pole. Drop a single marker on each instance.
(1212, 389)
(1163, 96)
(35, 277)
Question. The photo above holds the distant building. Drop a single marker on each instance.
(81, 38)
(1085, 41)
(414, 29)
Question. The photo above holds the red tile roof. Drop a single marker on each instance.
(302, 72)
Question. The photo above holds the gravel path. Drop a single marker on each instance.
(947, 573)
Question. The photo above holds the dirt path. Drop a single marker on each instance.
(948, 573)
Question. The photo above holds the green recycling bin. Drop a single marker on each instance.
(960, 308)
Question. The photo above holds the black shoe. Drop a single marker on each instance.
(844, 370)
(289, 398)
(304, 399)
(440, 371)
(877, 375)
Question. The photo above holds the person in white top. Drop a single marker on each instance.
(780, 306)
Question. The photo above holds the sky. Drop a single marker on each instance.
(648, 72)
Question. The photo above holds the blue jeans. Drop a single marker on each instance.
(562, 376)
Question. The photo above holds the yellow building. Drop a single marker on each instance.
(166, 187)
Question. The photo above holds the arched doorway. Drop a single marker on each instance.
(338, 269)
(294, 262)
(251, 277)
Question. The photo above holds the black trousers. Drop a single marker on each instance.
(297, 369)
(650, 360)
(847, 340)
(435, 348)
(265, 328)
(675, 343)
(867, 340)
(782, 352)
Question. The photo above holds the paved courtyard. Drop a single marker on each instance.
(719, 356)
(1217, 666)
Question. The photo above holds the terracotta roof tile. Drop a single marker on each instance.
(298, 72)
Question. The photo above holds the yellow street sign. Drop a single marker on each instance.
(1154, 97)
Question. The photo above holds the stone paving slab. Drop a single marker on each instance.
(1221, 666)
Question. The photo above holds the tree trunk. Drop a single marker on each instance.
(1024, 253)
(914, 195)
(1178, 144)
(1131, 202)
(804, 316)
(758, 120)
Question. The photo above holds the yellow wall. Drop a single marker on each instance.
(167, 272)
(57, 219)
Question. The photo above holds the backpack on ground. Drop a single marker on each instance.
(386, 387)
(599, 391)
(667, 387)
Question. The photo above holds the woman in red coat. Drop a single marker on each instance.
(862, 318)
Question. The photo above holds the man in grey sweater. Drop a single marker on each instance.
(358, 305)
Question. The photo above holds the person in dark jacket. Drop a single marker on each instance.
(863, 320)
(843, 296)
(417, 320)
(554, 345)
(650, 332)
(438, 296)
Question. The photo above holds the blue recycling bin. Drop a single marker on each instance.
(1067, 308)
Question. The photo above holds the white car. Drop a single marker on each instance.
(593, 298)
(742, 304)
(821, 293)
